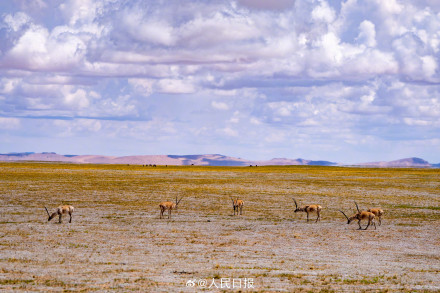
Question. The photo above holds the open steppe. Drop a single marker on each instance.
(117, 242)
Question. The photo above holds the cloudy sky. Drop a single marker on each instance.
(345, 81)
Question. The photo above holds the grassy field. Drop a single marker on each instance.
(117, 242)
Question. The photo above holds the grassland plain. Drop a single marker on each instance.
(117, 242)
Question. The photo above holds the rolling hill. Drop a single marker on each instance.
(199, 160)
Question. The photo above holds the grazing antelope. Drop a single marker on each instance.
(237, 204)
(364, 215)
(65, 209)
(309, 209)
(378, 212)
(168, 205)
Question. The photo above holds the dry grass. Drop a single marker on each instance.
(118, 243)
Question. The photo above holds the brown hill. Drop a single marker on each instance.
(200, 160)
(408, 162)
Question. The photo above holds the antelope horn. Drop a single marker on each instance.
(344, 214)
(179, 200)
(357, 206)
(295, 202)
(47, 212)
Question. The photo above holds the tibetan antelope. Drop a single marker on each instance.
(168, 205)
(378, 212)
(314, 208)
(237, 204)
(65, 209)
(364, 215)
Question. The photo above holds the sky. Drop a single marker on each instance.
(344, 81)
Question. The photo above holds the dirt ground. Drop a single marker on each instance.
(116, 241)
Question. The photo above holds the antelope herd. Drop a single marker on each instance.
(237, 204)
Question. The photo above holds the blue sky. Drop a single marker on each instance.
(346, 81)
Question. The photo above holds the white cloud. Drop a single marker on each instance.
(367, 34)
(8, 85)
(17, 21)
(297, 69)
(142, 86)
(429, 65)
(82, 127)
(39, 50)
(218, 29)
(77, 99)
(143, 28)
(81, 11)
(255, 121)
(390, 6)
(323, 12)
(9, 123)
(219, 105)
(174, 86)
(229, 132)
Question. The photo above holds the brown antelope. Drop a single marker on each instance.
(309, 209)
(237, 204)
(378, 212)
(65, 209)
(364, 215)
(168, 205)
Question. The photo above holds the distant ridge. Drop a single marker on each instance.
(408, 162)
(198, 160)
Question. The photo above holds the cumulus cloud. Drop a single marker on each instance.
(293, 68)
(17, 21)
(367, 33)
(39, 50)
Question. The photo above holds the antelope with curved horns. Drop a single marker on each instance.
(237, 204)
(168, 205)
(378, 212)
(64, 209)
(309, 209)
(364, 215)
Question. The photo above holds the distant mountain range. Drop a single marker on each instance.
(408, 162)
(198, 160)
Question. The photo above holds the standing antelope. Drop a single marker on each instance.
(168, 205)
(378, 212)
(309, 209)
(364, 215)
(237, 204)
(65, 209)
